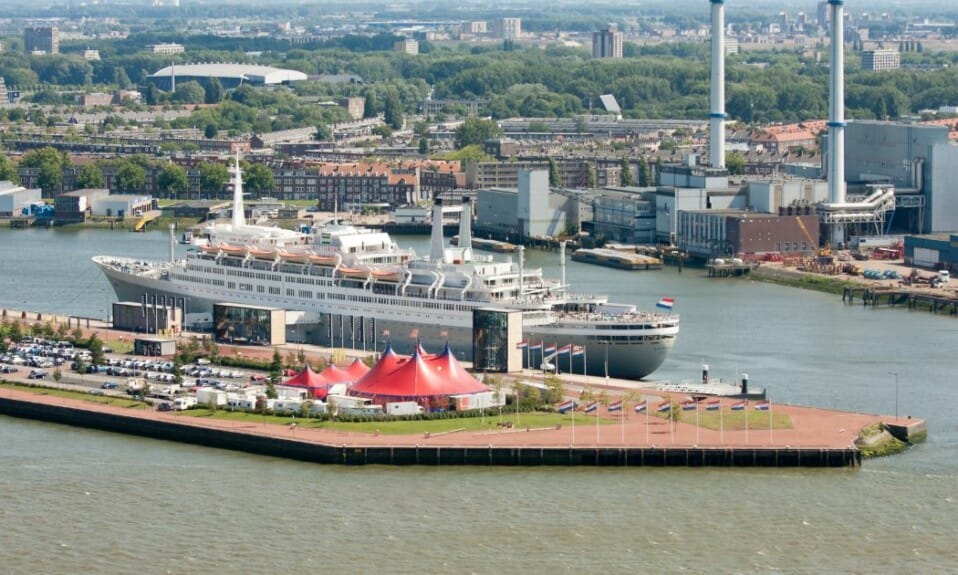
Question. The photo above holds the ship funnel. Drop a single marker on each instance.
(744, 383)
(239, 215)
(705, 373)
(465, 229)
(436, 249)
(836, 115)
(717, 115)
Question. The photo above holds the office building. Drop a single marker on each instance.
(41, 40)
(607, 43)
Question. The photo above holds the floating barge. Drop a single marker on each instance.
(616, 259)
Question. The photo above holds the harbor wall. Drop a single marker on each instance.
(356, 454)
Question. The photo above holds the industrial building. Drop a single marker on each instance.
(234, 323)
(721, 233)
(229, 75)
(530, 211)
(77, 206)
(15, 199)
(918, 161)
(146, 317)
(937, 252)
(122, 205)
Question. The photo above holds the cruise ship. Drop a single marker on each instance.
(354, 287)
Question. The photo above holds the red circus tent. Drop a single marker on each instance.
(357, 369)
(419, 376)
(316, 385)
(334, 374)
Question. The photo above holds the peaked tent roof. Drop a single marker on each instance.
(307, 378)
(334, 374)
(419, 376)
(357, 369)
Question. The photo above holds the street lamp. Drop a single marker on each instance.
(895, 373)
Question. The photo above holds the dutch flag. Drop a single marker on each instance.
(664, 406)
(615, 406)
(738, 406)
(550, 348)
(566, 406)
(535, 346)
(591, 407)
(565, 349)
(761, 406)
(713, 405)
(522, 345)
(578, 350)
(689, 406)
(666, 303)
(641, 407)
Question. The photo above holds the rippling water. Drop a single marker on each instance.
(80, 501)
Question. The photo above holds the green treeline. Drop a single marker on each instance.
(663, 81)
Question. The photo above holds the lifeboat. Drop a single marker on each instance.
(262, 254)
(294, 257)
(322, 260)
(210, 249)
(353, 272)
(387, 275)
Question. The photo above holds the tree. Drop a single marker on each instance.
(8, 170)
(423, 146)
(735, 163)
(626, 178)
(213, 177)
(275, 370)
(383, 131)
(258, 179)
(555, 179)
(645, 172)
(129, 178)
(210, 131)
(121, 79)
(50, 164)
(214, 91)
(189, 93)
(172, 180)
(475, 131)
(95, 346)
(392, 111)
(371, 104)
(90, 176)
(177, 370)
(323, 132)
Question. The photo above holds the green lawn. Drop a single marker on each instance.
(531, 420)
(93, 396)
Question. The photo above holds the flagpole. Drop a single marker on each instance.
(573, 422)
(721, 424)
(646, 421)
(597, 423)
(770, 437)
(622, 423)
(697, 423)
(746, 421)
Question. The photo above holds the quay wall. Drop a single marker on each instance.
(400, 454)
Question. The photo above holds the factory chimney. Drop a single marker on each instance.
(836, 114)
(717, 115)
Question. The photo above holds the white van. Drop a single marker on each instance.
(944, 276)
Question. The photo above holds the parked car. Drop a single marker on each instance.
(37, 374)
(164, 406)
(8, 369)
(110, 385)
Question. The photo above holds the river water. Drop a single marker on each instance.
(80, 501)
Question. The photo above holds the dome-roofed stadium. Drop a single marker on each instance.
(229, 75)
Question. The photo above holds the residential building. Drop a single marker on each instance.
(41, 40)
(406, 46)
(877, 60)
(168, 48)
(607, 43)
(510, 28)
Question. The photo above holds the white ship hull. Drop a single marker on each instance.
(361, 326)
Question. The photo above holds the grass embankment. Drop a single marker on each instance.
(92, 396)
(876, 441)
(803, 280)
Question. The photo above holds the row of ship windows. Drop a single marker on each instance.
(628, 338)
